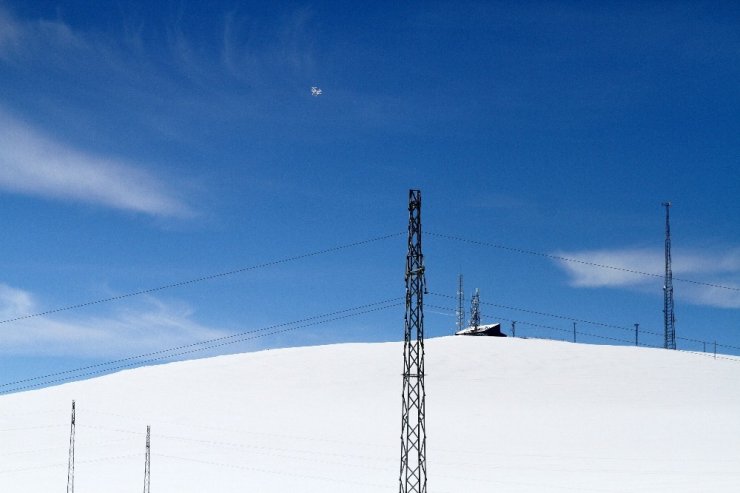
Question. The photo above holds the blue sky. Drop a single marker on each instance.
(151, 143)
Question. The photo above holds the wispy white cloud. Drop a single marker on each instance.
(32, 163)
(152, 326)
(584, 275)
(721, 268)
(21, 38)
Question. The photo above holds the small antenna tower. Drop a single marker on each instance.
(669, 319)
(147, 470)
(475, 310)
(71, 465)
(413, 476)
(460, 304)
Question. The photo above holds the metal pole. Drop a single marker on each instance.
(715, 349)
(71, 465)
(574, 332)
(637, 330)
(513, 328)
(147, 461)
(460, 304)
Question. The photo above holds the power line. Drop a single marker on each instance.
(185, 346)
(203, 278)
(155, 356)
(573, 260)
(553, 315)
(560, 329)
(576, 319)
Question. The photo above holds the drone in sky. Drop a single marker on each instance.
(315, 91)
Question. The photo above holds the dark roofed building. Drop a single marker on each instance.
(491, 330)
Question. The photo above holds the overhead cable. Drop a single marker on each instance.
(203, 278)
(155, 356)
(574, 260)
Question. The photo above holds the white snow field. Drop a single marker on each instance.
(503, 415)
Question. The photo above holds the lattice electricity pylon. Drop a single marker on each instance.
(460, 304)
(147, 461)
(669, 319)
(71, 465)
(475, 309)
(413, 476)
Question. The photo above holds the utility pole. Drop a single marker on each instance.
(637, 330)
(513, 328)
(669, 320)
(460, 304)
(71, 464)
(413, 475)
(147, 461)
(574, 332)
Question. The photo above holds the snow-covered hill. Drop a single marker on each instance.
(507, 415)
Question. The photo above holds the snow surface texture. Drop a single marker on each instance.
(503, 414)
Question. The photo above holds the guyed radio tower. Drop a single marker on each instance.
(669, 319)
(413, 476)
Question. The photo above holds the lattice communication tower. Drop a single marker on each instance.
(475, 310)
(460, 304)
(413, 475)
(669, 319)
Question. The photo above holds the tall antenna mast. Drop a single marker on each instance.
(669, 319)
(475, 310)
(71, 465)
(460, 304)
(147, 472)
(413, 476)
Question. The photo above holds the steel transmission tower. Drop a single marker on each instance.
(475, 310)
(147, 471)
(460, 304)
(669, 319)
(413, 476)
(71, 465)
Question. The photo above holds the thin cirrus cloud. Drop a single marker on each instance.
(32, 163)
(721, 268)
(154, 325)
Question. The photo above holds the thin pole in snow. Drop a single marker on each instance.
(637, 329)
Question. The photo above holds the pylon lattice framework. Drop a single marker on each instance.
(413, 475)
(669, 319)
(460, 304)
(475, 310)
